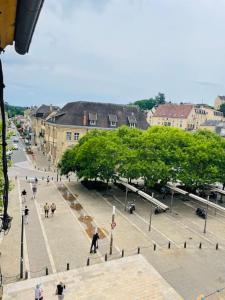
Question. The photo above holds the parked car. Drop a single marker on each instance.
(201, 212)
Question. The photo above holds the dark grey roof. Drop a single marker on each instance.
(211, 123)
(44, 110)
(79, 113)
(222, 97)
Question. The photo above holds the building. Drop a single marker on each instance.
(38, 118)
(185, 116)
(219, 101)
(214, 126)
(75, 119)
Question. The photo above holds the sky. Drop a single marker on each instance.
(120, 51)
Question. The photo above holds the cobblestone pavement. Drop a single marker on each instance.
(128, 278)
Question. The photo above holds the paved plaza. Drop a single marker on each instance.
(53, 243)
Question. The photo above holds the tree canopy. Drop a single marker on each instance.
(222, 109)
(158, 155)
(147, 104)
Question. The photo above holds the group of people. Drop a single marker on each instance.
(52, 207)
(39, 294)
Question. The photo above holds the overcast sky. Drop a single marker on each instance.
(120, 51)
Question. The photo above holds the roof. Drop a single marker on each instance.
(79, 113)
(44, 110)
(222, 97)
(211, 123)
(170, 110)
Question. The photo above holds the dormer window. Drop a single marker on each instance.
(113, 120)
(132, 121)
(92, 118)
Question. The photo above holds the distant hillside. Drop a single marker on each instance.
(13, 110)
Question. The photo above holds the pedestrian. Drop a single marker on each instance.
(60, 290)
(38, 292)
(53, 208)
(23, 195)
(36, 180)
(46, 209)
(94, 242)
(26, 214)
(48, 180)
(34, 190)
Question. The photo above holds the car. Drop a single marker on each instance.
(201, 212)
(15, 147)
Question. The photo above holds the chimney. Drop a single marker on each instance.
(85, 119)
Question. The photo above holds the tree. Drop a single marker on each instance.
(148, 104)
(222, 109)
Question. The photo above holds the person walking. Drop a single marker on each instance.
(94, 242)
(38, 292)
(26, 214)
(46, 209)
(60, 290)
(48, 180)
(34, 191)
(53, 208)
(23, 195)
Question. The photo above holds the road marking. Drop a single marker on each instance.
(26, 257)
(45, 236)
(107, 236)
(75, 218)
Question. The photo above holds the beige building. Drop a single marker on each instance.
(214, 126)
(219, 101)
(75, 119)
(185, 116)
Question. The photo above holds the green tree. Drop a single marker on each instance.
(148, 104)
(222, 109)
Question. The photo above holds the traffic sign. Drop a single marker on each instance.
(113, 225)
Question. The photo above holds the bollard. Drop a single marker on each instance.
(106, 257)
(217, 246)
(200, 245)
(138, 252)
(38, 169)
(67, 266)
(154, 247)
(26, 274)
(122, 253)
(26, 177)
(185, 244)
(60, 178)
(46, 271)
(69, 179)
(88, 261)
(42, 178)
(45, 170)
(52, 178)
(169, 245)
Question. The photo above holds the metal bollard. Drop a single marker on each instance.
(122, 253)
(138, 252)
(169, 245)
(154, 247)
(200, 245)
(60, 179)
(26, 274)
(45, 170)
(185, 244)
(88, 261)
(52, 178)
(26, 177)
(106, 257)
(38, 169)
(46, 271)
(217, 246)
(67, 266)
(69, 179)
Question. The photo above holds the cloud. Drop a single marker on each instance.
(121, 50)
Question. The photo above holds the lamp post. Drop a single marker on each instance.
(206, 217)
(125, 205)
(21, 247)
(112, 226)
(171, 201)
(150, 217)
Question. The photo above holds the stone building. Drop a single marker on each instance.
(75, 119)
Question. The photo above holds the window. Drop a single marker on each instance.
(113, 123)
(92, 122)
(76, 136)
(132, 125)
(68, 136)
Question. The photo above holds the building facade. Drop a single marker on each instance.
(75, 119)
(219, 101)
(184, 116)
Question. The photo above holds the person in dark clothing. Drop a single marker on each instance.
(24, 194)
(94, 242)
(60, 290)
(26, 213)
